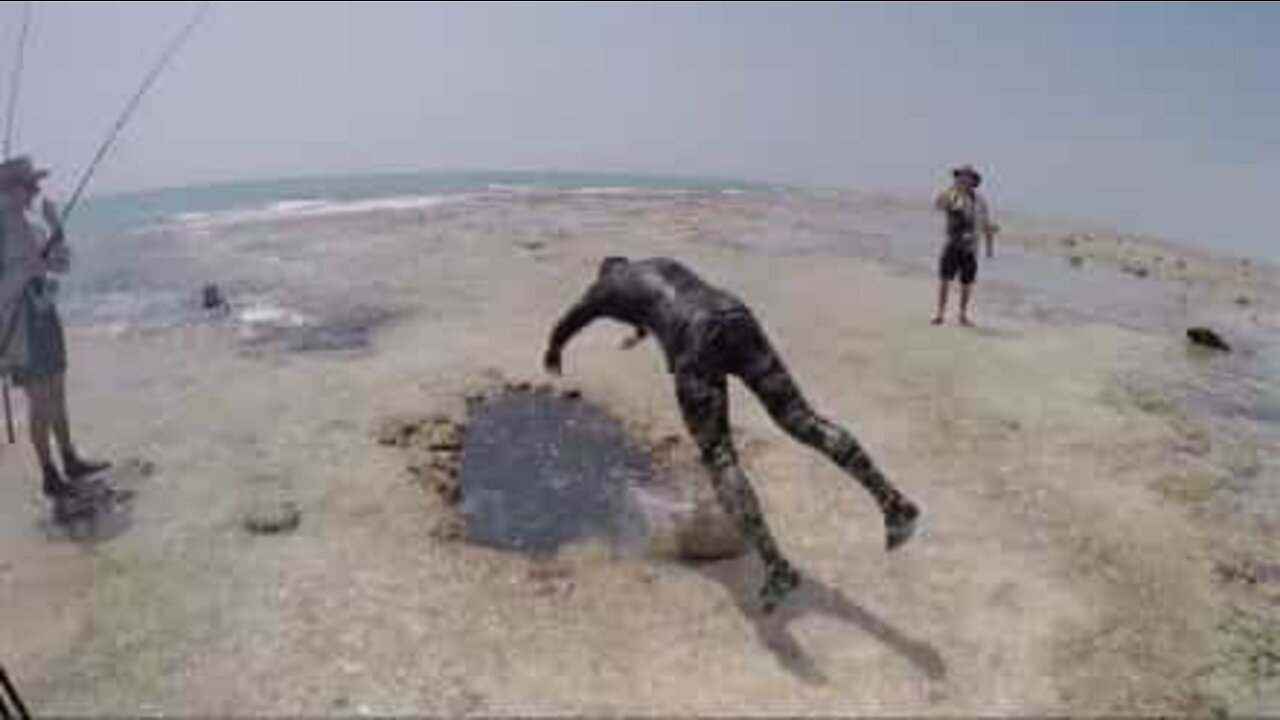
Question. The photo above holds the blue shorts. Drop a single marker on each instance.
(46, 342)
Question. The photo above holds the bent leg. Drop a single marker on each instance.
(770, 381)
(704, 403)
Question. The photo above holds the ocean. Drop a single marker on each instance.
(282, 248)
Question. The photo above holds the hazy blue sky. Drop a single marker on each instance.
(1152, 117)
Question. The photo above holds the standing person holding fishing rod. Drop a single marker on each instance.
(32, 341)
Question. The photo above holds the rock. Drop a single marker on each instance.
(450, 529)
(1243, 301)
(1070, 241)
(1135, 269)
(531, 245)
(448, 490)
(395, 432)
(1207, 338)
(454, 496)
(1188, 488)
(572, 394)
(1192, 439)
(1180, 264)
(667, 443)
(1244, 572)
(444, 436)
(1077, 261)
(1200, 705)
(272, 517)
(709, 534)
(445, 463)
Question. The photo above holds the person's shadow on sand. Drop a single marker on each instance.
(813, 597)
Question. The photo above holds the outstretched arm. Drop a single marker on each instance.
(590, 307)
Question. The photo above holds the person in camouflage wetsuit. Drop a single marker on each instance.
(708, 334)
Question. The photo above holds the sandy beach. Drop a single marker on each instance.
(1101, 523)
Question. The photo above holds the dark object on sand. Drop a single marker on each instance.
(1077, 261)
(1135, 270)
(1243, 301)
(10, 703)
(213, 299)
(1207, 338)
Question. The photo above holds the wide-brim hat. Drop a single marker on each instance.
(967, 170)
(20, 171)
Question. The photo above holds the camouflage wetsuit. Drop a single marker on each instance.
(708, 334)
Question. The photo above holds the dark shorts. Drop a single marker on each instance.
(46, 342)
(958, 261)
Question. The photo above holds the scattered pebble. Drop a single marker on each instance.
(450, 529)
(446, 436)
(1135, 269)
(273, 518)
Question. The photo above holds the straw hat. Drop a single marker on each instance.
(18, 171)
(968, 170)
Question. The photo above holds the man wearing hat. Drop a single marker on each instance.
(32, 344)
(967, 219)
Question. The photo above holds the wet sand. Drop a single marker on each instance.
(1089, 525)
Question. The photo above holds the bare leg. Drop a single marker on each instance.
(39, 404)
(75, 466)
(943, 289)
(61, 422)
(966, 292)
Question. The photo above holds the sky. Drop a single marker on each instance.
(1160, 118)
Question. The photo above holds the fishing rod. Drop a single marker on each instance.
(15, 83)
(15, 79)
(165, 58)
(18, 711)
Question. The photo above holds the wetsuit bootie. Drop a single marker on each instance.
(899, 524)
